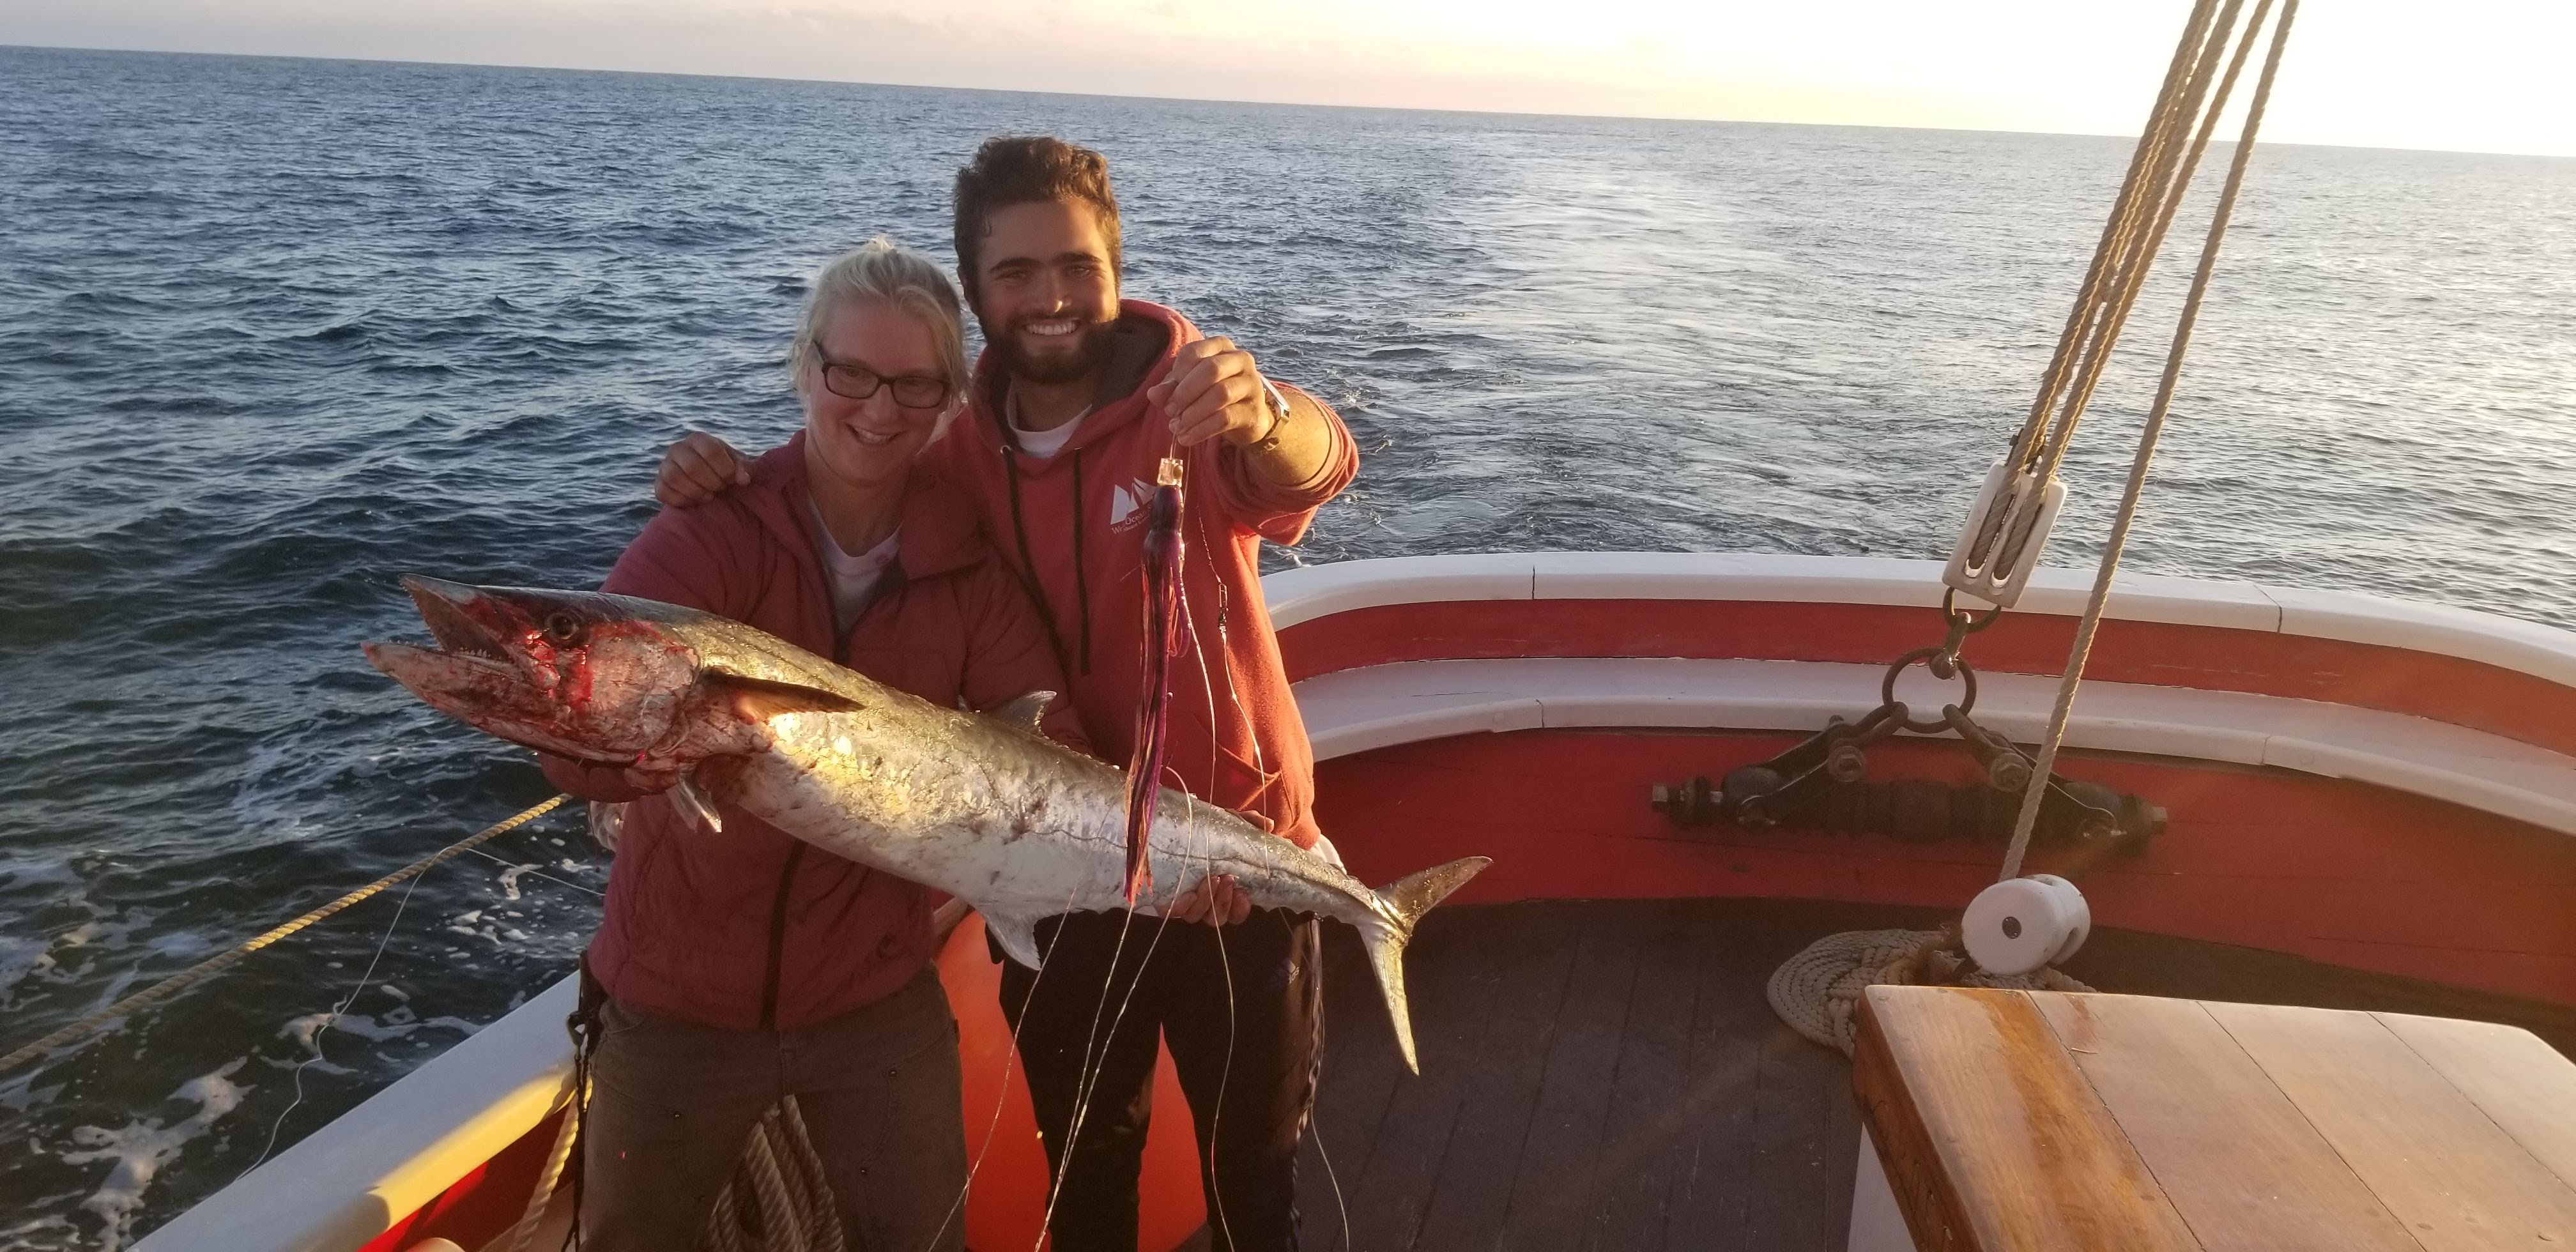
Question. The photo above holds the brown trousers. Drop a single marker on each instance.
(672, 1104)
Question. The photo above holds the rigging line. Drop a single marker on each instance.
(2030, 441)
(2172, 181)
(2154, 429)
(216, 964)
(323, 1031)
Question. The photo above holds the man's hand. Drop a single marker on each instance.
(1216, 900)
(1213, 390)
(697, 469)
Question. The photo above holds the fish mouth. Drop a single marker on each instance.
(443, 608)
(471, 673)
(465, 652)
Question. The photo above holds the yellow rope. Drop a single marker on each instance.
(217, 964)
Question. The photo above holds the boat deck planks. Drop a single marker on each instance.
(1608, 1075)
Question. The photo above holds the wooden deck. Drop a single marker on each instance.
(1608, 1075)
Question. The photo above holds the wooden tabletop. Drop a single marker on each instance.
(2037, 1120)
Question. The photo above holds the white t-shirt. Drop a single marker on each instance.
(854, 579)
(1042, 444)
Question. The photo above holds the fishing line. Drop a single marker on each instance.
(529, 871)
(1225, 1075)
(1001, 1094)
(323, 1031)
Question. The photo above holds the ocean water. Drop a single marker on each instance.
(273, 332)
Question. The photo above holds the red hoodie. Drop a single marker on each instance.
(1077, 520)
(752, 928)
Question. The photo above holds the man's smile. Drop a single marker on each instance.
(1051, 328)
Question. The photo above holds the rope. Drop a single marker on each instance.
(1817, 991)
(2085, 630)
(524, 1235)
(220, 962)
(780, 1200)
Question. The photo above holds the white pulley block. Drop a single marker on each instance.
(2023, 509)
(2020, 924)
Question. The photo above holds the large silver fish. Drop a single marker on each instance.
(980, 806)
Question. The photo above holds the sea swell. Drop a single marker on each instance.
(273, 333)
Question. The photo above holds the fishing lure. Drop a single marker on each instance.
(1163, 552)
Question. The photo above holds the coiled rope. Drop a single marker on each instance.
(222, 961)
(1816, 991)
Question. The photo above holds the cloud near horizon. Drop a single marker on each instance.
(2483, 77)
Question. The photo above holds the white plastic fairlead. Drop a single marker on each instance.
(2020, 924)
(2007, 529)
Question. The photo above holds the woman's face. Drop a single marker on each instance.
(870, 441)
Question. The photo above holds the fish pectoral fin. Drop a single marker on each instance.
(694, 803)
(1018, 937)
(759, 699)
(1026, 712)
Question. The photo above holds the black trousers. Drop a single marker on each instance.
(1246, 1062)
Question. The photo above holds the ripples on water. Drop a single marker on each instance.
(272, 332)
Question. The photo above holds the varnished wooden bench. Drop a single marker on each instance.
(2101, 1123)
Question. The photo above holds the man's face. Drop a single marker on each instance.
(1044, 290)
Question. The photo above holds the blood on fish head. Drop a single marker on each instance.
(576, 674)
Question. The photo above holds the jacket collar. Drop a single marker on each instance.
(984, 422)
(937, 534)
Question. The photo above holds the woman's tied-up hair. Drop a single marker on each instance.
(883, 270)
(1030, 169)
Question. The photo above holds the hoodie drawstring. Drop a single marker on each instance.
(1081, 582)
(1028, 565)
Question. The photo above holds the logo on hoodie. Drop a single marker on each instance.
(1127, 503)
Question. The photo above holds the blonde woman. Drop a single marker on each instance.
(746, 966)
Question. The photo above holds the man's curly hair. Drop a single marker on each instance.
(1029, 169)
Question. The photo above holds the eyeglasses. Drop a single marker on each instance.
(858, 382)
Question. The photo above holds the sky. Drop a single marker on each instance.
(2466, 75)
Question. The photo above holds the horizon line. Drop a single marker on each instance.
(1280, 104)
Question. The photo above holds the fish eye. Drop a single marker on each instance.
(562, 627)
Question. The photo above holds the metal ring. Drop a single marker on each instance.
(1967, 701)
(1958, 617)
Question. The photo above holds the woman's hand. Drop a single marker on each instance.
(697, 469)
(1217, 900)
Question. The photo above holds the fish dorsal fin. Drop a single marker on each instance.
(1026, 712)
(760, 699)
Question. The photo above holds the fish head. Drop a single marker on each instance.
(598, 678)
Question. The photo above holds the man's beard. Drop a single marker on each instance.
(1089, 355)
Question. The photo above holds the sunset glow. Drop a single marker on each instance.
(2476, 75)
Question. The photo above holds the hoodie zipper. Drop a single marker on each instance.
(778, 938)
(796, 847)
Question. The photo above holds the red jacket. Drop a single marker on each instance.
(752, 928)
(1077, 520)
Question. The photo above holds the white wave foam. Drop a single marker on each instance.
(142, 1147)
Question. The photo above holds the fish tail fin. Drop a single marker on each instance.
(1406, 900)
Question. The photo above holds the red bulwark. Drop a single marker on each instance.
(2448, 689)
(2344, 873)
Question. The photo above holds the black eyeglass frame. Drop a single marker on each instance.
(838, 373)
